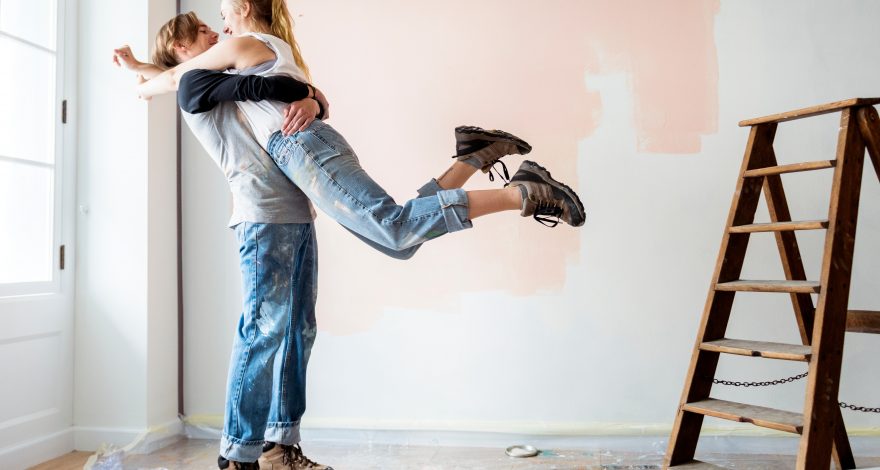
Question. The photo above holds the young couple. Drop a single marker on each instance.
(279, 159)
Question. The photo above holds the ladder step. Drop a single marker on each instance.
(780, 226)
(697, 465)
(811, 111)
(788, 352)
(757, 415)
(795, 287)
(863, 321)
(793, 168)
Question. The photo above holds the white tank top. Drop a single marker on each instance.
(265, 117)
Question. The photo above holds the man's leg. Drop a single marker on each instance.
(269, 259)
(292, 358)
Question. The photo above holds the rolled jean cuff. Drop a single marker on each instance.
(283, 433)
(430, 188)
(454, 205)
(238, 450)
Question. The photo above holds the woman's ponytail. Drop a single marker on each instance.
(282, 27)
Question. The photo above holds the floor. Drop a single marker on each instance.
(202, 454)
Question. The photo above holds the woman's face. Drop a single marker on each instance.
(233, 21)
(205, 39)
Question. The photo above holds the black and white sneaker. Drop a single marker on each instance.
(225, 464)
(483, 148)
(546, 199)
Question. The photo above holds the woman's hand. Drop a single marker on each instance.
(123, 57)
(298, 115)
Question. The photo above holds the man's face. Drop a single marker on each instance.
(205, 39)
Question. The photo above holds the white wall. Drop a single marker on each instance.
(602, 343)
(126, 348)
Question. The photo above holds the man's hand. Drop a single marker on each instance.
(141, 81)
(123, 57)
(319, 95)
(298, 115)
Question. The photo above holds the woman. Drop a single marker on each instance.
(323, 165)
(323, 153)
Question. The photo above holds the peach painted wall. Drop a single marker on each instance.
(513, 326)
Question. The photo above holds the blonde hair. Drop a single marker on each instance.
(274, 15)
(183, 28)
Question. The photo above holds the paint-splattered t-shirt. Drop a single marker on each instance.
(260, 191)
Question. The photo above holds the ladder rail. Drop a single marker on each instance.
(821, 405)
(869, 124)
(716, 313)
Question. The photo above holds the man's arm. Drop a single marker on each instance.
(201, 90)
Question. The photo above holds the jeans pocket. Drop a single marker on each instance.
(317, 147)
(282, 153)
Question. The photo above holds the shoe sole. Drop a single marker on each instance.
(545, 176)
(491, 136)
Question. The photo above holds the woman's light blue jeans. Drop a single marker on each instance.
(266, 387)
(322, 164)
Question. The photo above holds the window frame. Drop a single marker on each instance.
(63, 164)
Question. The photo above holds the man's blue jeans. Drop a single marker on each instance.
(266, 388)
(322, 164)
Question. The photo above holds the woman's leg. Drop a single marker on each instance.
(322, 164)
(456, 176)
(490, 201)
(324, 167)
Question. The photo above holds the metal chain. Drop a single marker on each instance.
(863, 409)
(760, 384)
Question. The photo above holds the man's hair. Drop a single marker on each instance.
(182, 29)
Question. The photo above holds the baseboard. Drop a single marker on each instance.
(617, 436)
(35, 451)
(133, 441)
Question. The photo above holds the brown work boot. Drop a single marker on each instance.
(546, 199)
(284, 457)
(482, 148)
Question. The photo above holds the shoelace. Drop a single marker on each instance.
(546, 209)
(293, 456)
(504, 177)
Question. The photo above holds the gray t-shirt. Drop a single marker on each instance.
(260, 191)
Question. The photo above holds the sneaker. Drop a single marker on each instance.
(483, 148)
(280, 456)
(545, 198)
(224, 463)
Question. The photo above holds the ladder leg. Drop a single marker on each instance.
(842, 451)
(793, 267)
(821, 412)
(698, 384)
(869, 123)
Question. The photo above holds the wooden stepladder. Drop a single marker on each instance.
(821, 327)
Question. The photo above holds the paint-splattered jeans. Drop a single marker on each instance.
(266, 388)
(322, 164)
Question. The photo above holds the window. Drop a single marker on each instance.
(29, 146)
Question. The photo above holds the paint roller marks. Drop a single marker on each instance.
(668, 50)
